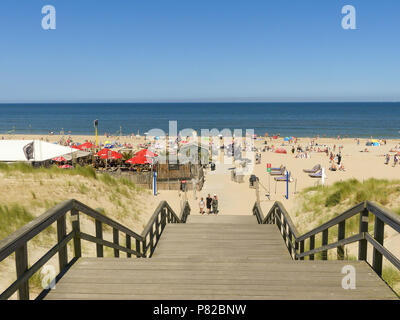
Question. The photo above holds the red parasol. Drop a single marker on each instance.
(109, 154)
(65, 166)
(140, 159)
(86, 145)
(59, 159)
(146, 153)
(280, 150)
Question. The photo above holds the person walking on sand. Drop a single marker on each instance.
(215, 204)
(201, 206)
(387, 158)
(208, 203)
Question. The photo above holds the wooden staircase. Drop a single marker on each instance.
(217, 257)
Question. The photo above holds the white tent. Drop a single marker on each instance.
(32, 150)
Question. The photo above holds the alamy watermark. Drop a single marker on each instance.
(49, 20)
(349, 280)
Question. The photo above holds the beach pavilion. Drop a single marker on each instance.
(35, 151)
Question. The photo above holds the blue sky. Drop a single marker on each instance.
(208, 50)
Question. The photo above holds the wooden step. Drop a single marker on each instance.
(113, 278)
(218, 218)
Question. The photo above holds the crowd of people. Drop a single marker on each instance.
(211, 205)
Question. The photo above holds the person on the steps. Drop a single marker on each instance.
(201, 206)
(208, 203)
(215, 204)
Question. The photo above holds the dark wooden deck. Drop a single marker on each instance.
(217, 257)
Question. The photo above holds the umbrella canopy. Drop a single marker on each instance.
(65, 166)
(138, 159)
(86, 145)
(109, 154)
(59, 159)
(146, 153)
(280, 150)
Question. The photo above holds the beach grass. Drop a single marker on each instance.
(13, 217)
(351, 191)
(84, 171)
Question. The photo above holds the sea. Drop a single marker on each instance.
(361, 119)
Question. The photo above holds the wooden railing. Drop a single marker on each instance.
(17, 242)
(296, 243)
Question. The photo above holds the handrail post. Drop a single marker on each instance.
(362, 244)
(128, 245)
(312, 246)
(144, 244)
(76, 228)
(278, 221)
(296, 248)
(301, 248)
(290, 242)
(116, 241)
(284, 228)
(341, 236)
(21, 264)
(325, 237)
(138, 248)
(99, 235)
(61, 233)
(151, 240)
(379, 230)
(157, 222)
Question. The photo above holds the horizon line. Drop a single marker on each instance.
(192, 101)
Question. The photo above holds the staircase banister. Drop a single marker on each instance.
(178, 219)
(185, 211)
(257, 211)
(150, 223)
(334, 221)
(388, 217)
(104, 219)
(288, 219)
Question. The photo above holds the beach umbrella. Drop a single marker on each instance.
(280, 150)
(286, 139)
(86, 145)
(146, 153)
(75, 147)
(59, 159)
(140, 159)
(275, 137)
(65, 166)
(109, 154)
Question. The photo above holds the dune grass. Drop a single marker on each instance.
(13, 217)
(84, 171)
(349, 192)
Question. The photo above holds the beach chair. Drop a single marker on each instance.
(278, 173)
(277, 169)
(314, 169)
(316, 174)
(283, 178)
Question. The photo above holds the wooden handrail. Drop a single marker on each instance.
(17, 241)
(296, 242)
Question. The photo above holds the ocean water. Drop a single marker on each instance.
(380, 120)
